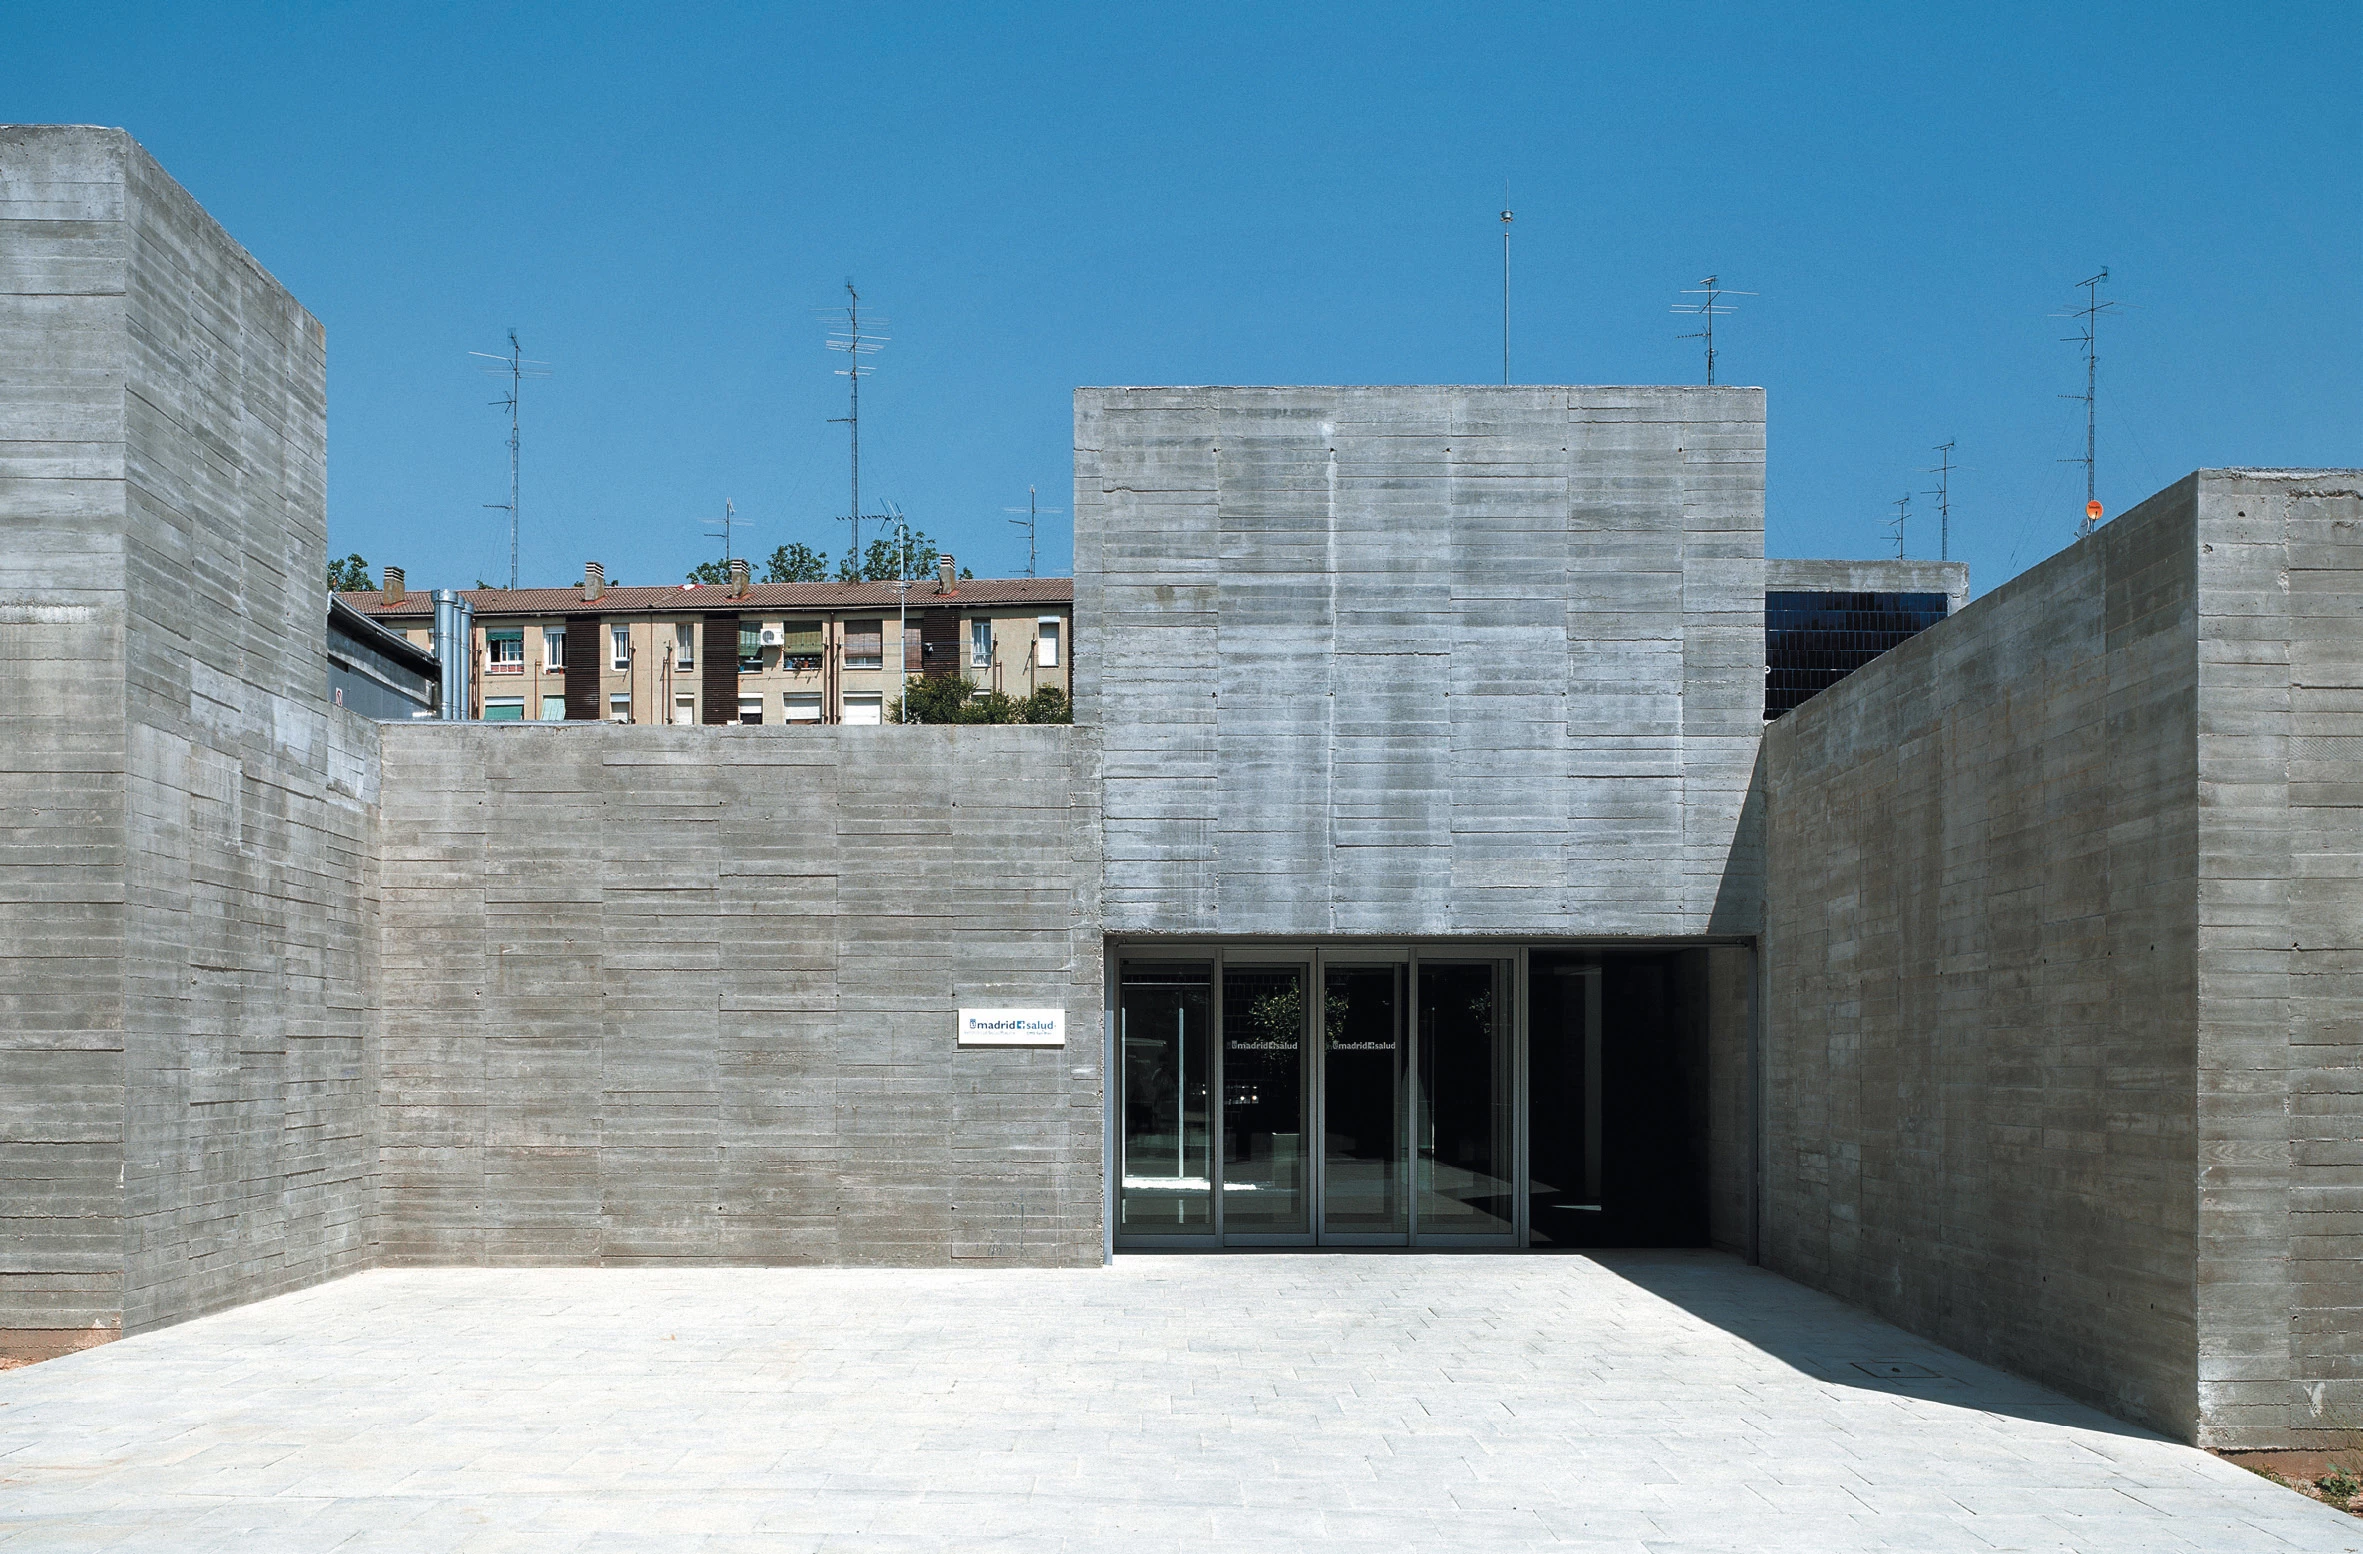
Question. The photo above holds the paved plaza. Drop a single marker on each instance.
(1651, 1401)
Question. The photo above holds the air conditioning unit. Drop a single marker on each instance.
(771, 637)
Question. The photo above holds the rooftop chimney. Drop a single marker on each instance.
(946, 577)
(393, 589)
(594, 580)
(738, 579)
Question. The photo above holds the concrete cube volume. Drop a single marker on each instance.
(2012, 987)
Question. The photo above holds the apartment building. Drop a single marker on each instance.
(743, 652)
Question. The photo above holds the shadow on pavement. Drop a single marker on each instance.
(1831, 1341)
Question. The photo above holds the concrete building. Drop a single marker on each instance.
(1420, 870)
(742, 652)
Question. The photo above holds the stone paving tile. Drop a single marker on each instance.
(1635, 1403)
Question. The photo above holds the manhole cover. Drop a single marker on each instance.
(1897, 1370)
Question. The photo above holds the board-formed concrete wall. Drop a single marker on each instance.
(2280, 970)
(658, 994)
(1882, 575)
(1980, 930)
(1423, 660)
(188, 924)
(2062, 946)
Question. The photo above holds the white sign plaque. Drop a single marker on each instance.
(1013, 1027)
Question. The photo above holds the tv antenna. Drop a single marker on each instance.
(1027, 523)
(902, 595)
(1506, 218)
(2087, 336)
(1903, 510)
(1706, 313)
(721, 529)
(858, 348)
(1944, 499)
(516, 367)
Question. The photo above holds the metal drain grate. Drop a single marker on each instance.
(1897, 1370)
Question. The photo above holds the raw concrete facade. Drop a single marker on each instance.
(2064, 939)
(1889, 575)
(1423, 660)
(187, 915)
(2054, 1044)
(201, 997)
(685, 995)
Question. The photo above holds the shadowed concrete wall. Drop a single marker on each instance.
(2061, 940)
(688, 995)
(187, 883)
(1423, 660)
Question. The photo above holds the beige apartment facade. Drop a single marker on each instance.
(818, 653)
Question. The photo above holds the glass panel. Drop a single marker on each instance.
(1264, 1185)
(1362, 1100)
(1168, 1051)
(1563, 1096)
(1463, 1132)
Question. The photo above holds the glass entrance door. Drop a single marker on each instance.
(1167, 1045)
(1365, 1083)
(1266, 1169)
(1382, 1112)
(1464, 1130)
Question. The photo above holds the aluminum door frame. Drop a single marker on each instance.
(1118, 1240)
(1305, 960)
(1510, 959)
(1397, 957)
(1509, 964)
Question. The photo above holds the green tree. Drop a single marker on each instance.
(350, 576)
(709, 572)
(885, 560)
(1048, 704)
(948, 700)
(798, 564)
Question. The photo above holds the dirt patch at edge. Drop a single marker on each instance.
(2299, 1469)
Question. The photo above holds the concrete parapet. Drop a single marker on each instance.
(1893, 575)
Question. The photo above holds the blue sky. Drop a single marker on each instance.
(662, 201)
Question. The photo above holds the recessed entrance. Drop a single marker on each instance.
(1456, 1096)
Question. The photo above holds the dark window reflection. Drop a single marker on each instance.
(1168, 1058)
(1814, 640)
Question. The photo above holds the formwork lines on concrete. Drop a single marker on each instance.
(1630, 1401)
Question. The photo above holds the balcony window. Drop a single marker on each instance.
(750, 653)
(504, 652)
(800, 646)
(684, 645)
(620, 637)
(865, 644)
(1046, 643)
(980, 644)
(553, 647)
